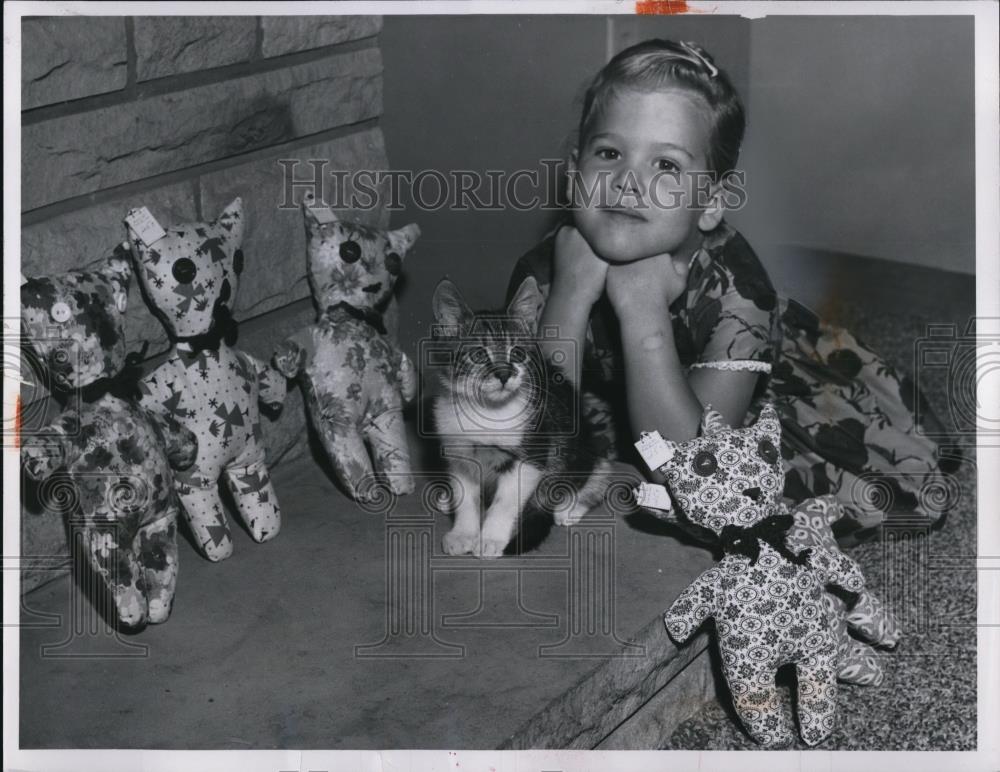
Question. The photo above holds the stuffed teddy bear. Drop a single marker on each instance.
(117, 455)
(866, 616)
(767, 599)
(355, 379)
(190, 273)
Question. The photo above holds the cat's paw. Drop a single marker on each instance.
(571, 516)
(490, 548)
(457, 542)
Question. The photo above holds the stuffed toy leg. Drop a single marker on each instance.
(191, 273)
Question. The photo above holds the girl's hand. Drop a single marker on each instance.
(577, 270)
(647, 286)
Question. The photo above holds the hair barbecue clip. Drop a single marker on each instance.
(713, 71)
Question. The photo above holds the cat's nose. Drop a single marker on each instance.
(752, 493)
(503, 373)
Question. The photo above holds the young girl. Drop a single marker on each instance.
(674, 310)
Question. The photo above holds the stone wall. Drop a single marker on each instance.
(182, 114)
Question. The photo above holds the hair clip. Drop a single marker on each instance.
(713, 71)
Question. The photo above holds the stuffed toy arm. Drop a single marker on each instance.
(178, 442)
(270, 383)
(836, 569)
(692, 607)
(289, 358)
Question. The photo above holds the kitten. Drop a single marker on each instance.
(511, 429)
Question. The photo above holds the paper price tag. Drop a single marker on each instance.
(145, 226)
(654, 449)
(653, 496)
(323, 214)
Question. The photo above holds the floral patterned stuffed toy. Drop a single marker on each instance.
(191, 272)
(117, 456)
(767, 599)
(355, 379)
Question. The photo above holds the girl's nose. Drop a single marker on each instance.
(626, 182)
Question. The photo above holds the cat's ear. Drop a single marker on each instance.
(450, 308)
(527, 303)
(231, 220)
(403, 238)
(712, 422)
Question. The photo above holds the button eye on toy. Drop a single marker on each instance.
(767, 451)
(350, 252)
(705, 464)
(60, 313)
(185, 270)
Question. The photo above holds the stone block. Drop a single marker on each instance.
(274, 240)
(169, 45)
(287, 34)
(181, 129)
(70, 57)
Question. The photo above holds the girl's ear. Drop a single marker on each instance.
(450, 308)
(714, 211)
(571, 174)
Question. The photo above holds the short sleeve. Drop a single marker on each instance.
(734, 321)
(536, 264)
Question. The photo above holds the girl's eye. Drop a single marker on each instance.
(518, 354)
(608, 154)
(479, 355)
(705, 464)
(350, 252)
(666, 165)
(767, 451)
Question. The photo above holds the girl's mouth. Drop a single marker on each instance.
(621, 212)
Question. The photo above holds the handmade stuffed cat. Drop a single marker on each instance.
(117, 455)
(768, 599)
(511, 429)
(190, 273)
(355, 379)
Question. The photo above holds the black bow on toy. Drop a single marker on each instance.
(737, 540)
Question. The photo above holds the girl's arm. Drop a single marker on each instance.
(577, 283)
(660, 394)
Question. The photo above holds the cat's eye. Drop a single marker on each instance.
(479, 355)
(238, 261)
(517, 354)
(393, 264)
(767, 451)
(184, 270)
(705, 464)
(60, 313)
(350, 251)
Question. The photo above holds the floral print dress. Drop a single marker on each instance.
(847, 425)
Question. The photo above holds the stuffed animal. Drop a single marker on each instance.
(117, 455)
(866, 616)
(767, 599)
(190, 273)
(355, 379)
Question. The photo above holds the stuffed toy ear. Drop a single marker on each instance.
(712, 422)
(232, 220)
(119, 273)
(449, 306)
(526, 303)
(402, 239)
(315, 214)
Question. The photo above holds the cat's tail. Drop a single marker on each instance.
(533, 528)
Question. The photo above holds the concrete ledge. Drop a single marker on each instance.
(599, 711)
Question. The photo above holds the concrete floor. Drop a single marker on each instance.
(260, 651)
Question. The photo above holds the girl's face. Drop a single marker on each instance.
(637, 176)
